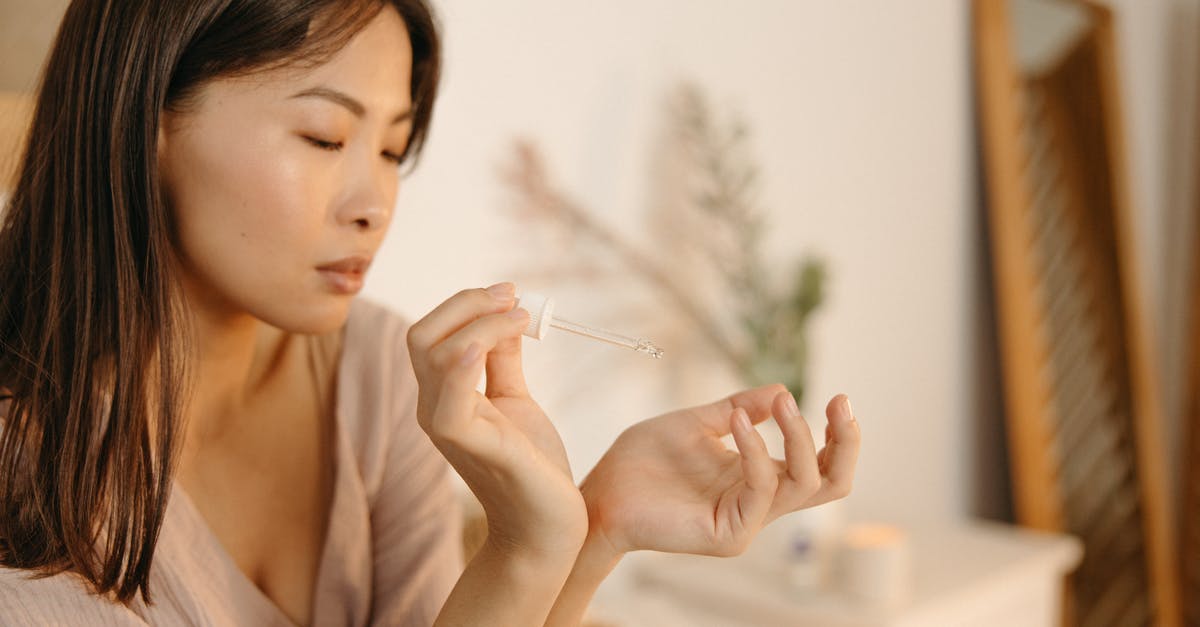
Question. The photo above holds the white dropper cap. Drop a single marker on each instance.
(541, 313)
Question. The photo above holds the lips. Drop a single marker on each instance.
(345, 276)
(350, 265)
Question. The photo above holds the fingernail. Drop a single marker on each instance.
(502, 291)
(742, 419)
(471, 354)
(846, 407)
(792, 408)
(517, 313)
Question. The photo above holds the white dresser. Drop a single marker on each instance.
(972, 574)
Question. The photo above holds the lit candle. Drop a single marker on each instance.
(874, 564)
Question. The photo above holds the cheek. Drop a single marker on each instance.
(247, 203)
(271, 202)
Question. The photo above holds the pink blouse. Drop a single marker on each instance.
(393, 543)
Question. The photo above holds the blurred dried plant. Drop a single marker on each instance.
(708, 246)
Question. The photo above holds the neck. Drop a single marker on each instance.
(236, 357)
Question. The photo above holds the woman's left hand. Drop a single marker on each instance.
(669, 483)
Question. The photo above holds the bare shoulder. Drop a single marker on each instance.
(61, 599)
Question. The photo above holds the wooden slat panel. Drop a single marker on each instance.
(1084, 420)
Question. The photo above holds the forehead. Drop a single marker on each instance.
(375, 66)
(380, 54)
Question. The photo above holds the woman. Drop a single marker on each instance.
(192, 386)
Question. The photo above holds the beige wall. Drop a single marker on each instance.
(861, 115)
(26, 29)
(861, 112)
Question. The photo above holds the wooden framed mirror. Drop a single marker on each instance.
(1082, 409)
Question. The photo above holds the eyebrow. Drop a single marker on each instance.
(346, 101)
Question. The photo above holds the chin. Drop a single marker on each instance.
(322, 315)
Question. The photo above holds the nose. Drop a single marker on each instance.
(368, 206)
(366, 217)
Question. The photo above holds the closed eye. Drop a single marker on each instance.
(324, 145)
(337, 146)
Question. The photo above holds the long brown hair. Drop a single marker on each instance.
(93, 326)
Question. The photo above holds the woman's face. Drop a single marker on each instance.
(282, 184)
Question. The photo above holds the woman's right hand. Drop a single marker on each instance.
(500, 442)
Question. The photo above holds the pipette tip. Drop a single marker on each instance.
(648, 347)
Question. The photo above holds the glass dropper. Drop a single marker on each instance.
(541, 318)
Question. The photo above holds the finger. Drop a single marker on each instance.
(457, 312)
(840, 455)
(488, 331)
(457, 399)
(714, 417)
(505, 373)
(758, 402)
(802, 476)
(758, 469)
